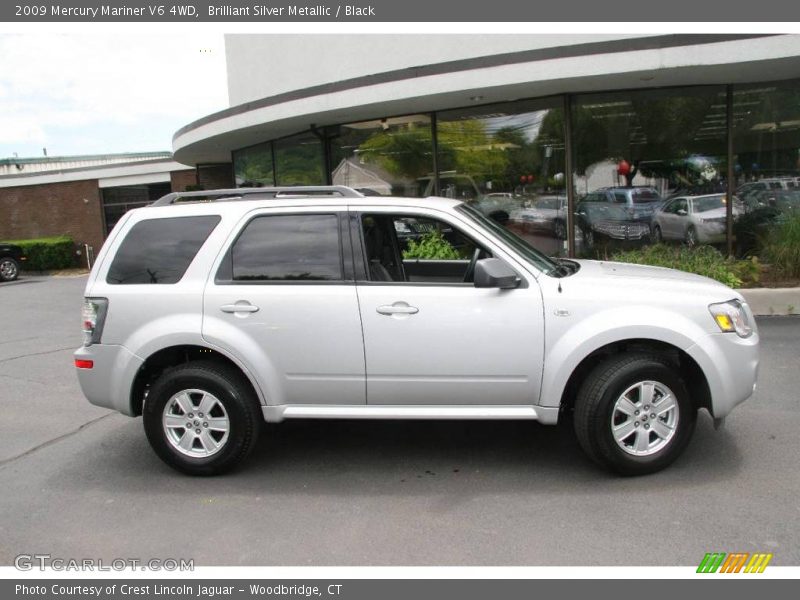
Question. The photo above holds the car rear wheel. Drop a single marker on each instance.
(201, 418)
(633, 414)
(9, 269)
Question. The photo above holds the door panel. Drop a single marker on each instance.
(301, 338)
(464, 345)
(441, 341)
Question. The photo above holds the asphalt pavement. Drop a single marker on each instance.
(78, 481)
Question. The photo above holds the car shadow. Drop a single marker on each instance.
(459, 459)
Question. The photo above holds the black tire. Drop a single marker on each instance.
(560, 230)
(229, 387)
(691, 237)
(595, 413)
(658, 237)
(9, 269)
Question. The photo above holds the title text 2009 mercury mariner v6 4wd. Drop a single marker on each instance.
(209, 313)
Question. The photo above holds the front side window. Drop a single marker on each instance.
(158, 251)
(417, 249)
(288, 248)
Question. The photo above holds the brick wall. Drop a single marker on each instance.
(215, 177)
(70, 208)
(181, 179)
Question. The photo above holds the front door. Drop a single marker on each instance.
(430, 336)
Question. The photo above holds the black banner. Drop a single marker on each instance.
(730, 588)
(267, 11)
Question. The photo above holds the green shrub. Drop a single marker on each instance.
(703, 260)
(781, 248)
(431, 246)
(45, 254)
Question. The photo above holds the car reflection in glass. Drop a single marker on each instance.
(601, 223)
(547, 213)
(693, 219)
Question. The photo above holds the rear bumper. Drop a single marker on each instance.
(108, 382)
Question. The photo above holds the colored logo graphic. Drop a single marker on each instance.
(735, 562)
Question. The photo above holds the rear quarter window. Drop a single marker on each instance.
(158, 251)
(643, 196)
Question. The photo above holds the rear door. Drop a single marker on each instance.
(282, 299)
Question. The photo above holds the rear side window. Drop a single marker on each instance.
(642, 196)
(288, 248)
(160, 250)
(620, 198)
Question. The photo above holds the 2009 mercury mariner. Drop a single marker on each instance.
(209, 313)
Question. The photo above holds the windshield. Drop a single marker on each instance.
(539, 260)
(708, 203)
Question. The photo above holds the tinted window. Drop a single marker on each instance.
(640, 196)
(620, 198)
(160, 250)
(288, 248)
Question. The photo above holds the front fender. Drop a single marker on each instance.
(567, 345)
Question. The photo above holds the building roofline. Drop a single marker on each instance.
(109, 166)
(466, 64)
(78, 157)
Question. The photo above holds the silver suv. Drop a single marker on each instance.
(209, 313)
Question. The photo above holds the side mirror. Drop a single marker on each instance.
(682, 212)
(494, 273)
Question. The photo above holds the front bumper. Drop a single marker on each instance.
(108, 383)
(731, 367)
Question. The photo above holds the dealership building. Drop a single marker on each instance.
(471, 116)
(502, 117)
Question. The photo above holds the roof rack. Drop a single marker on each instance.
(300, 191)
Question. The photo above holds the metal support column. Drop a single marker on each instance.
(568, 178)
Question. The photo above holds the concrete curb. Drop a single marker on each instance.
(772, 301)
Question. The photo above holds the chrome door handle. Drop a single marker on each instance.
(244, 307)
(398, 308)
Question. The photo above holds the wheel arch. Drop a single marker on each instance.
(170, 356)
(688, 368)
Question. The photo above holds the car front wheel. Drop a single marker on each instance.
(657, 235)
(201, 418)
(9, 269)
(633, 414)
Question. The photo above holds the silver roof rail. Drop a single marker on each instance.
(257, 193)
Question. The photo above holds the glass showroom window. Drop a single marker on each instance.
(252, 166)
(392, 156)
(634, 150)
(766, 143)
(507, 160)
(299, 160)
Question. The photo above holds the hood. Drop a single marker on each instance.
(641, 279)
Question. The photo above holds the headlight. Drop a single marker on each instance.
(732, 316)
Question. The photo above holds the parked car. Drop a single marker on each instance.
(495, 205)
(601, 223)
(208, 318)
(548, 213)
(639, 202)
(11, 260)
(693, 219)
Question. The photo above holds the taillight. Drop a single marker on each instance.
(93, 317)
(84, 364)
